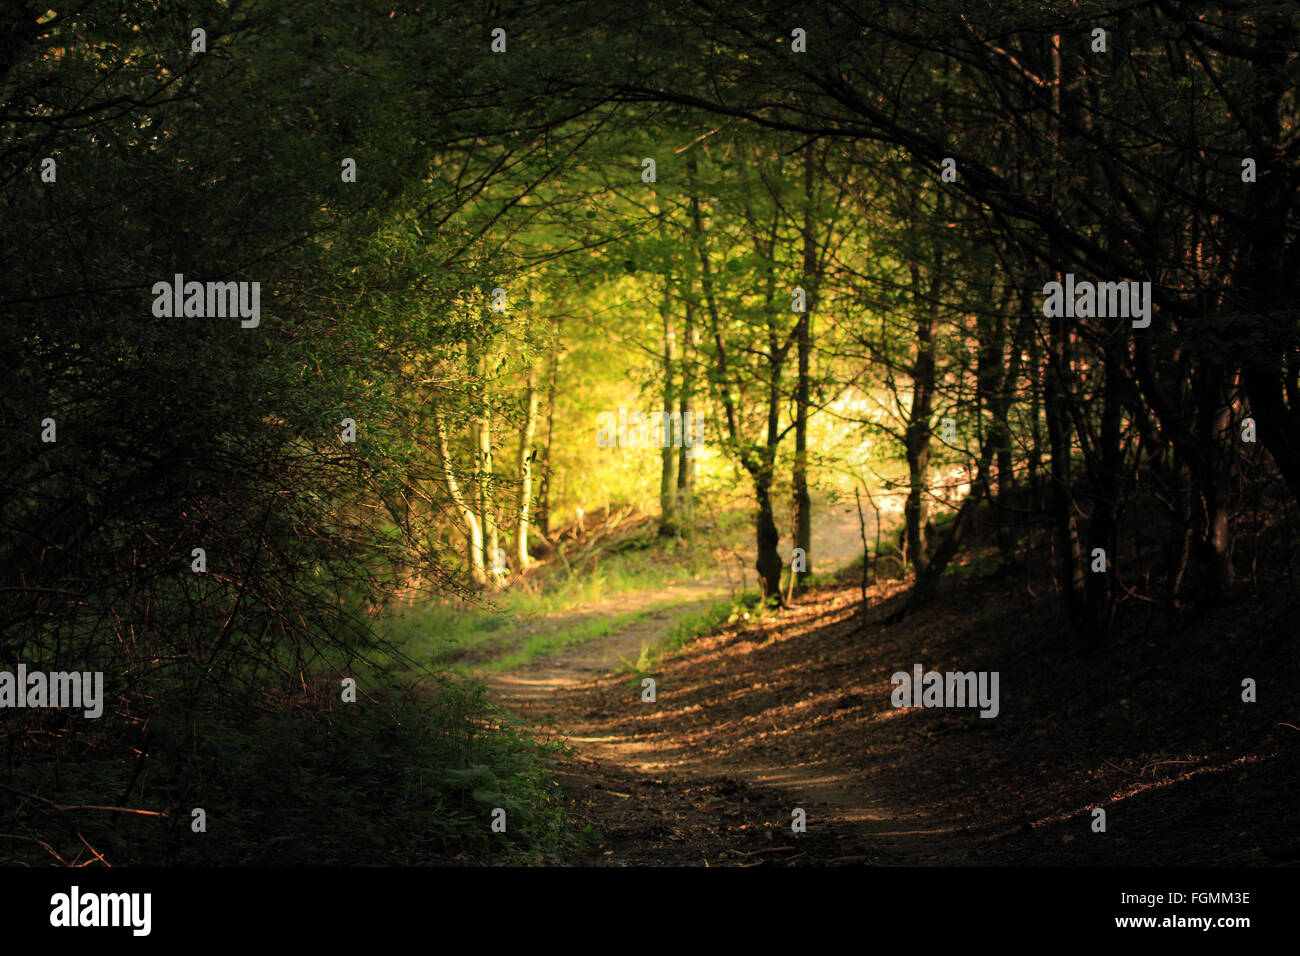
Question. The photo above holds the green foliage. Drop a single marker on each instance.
(408, 775)
(478, 172)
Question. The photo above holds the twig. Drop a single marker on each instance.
(770, 849)
(49, 849)
(146, 813)
(87, 845)
(875, 508)
(866, 556)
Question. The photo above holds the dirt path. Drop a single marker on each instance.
(836, 542)
(794, 712)
(624, 777)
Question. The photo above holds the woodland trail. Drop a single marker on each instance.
(793, 711)
(663, 777)
(837, 540)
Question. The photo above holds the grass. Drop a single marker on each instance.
(539, 645)
(486, 635)
(747, 606)
(496, 650)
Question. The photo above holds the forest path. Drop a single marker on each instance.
(837, 541)
(691, 780)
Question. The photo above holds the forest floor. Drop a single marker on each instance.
(838, 541)
(793, 711)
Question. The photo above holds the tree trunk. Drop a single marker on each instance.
(916, 440)
(1056, 377)
(472, 526)
(1099, 587)
(668, 519)
(803, 339)
(927, 578)
(686, 404)
(526, 469)
(543, 520)
(768, 539)
(992, 390)
(1068, 570)
(482, 434)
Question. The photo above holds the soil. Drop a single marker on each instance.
(793, 712)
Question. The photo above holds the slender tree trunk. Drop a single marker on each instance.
(1069, 572)
(686, 404)
(473, 528)
(768, 538)
(543, 520)
(669, 455)
(759, 463)
(803, 338)
(1099, 587)
(482, 434)
(1006, 515)
(916, 440)
(483, 496)
(991, 397)
(1035, 414)
(526, 454)
(1056, 376)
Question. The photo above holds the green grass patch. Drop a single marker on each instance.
(747, 606)
(539, 645)
(449, 630)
